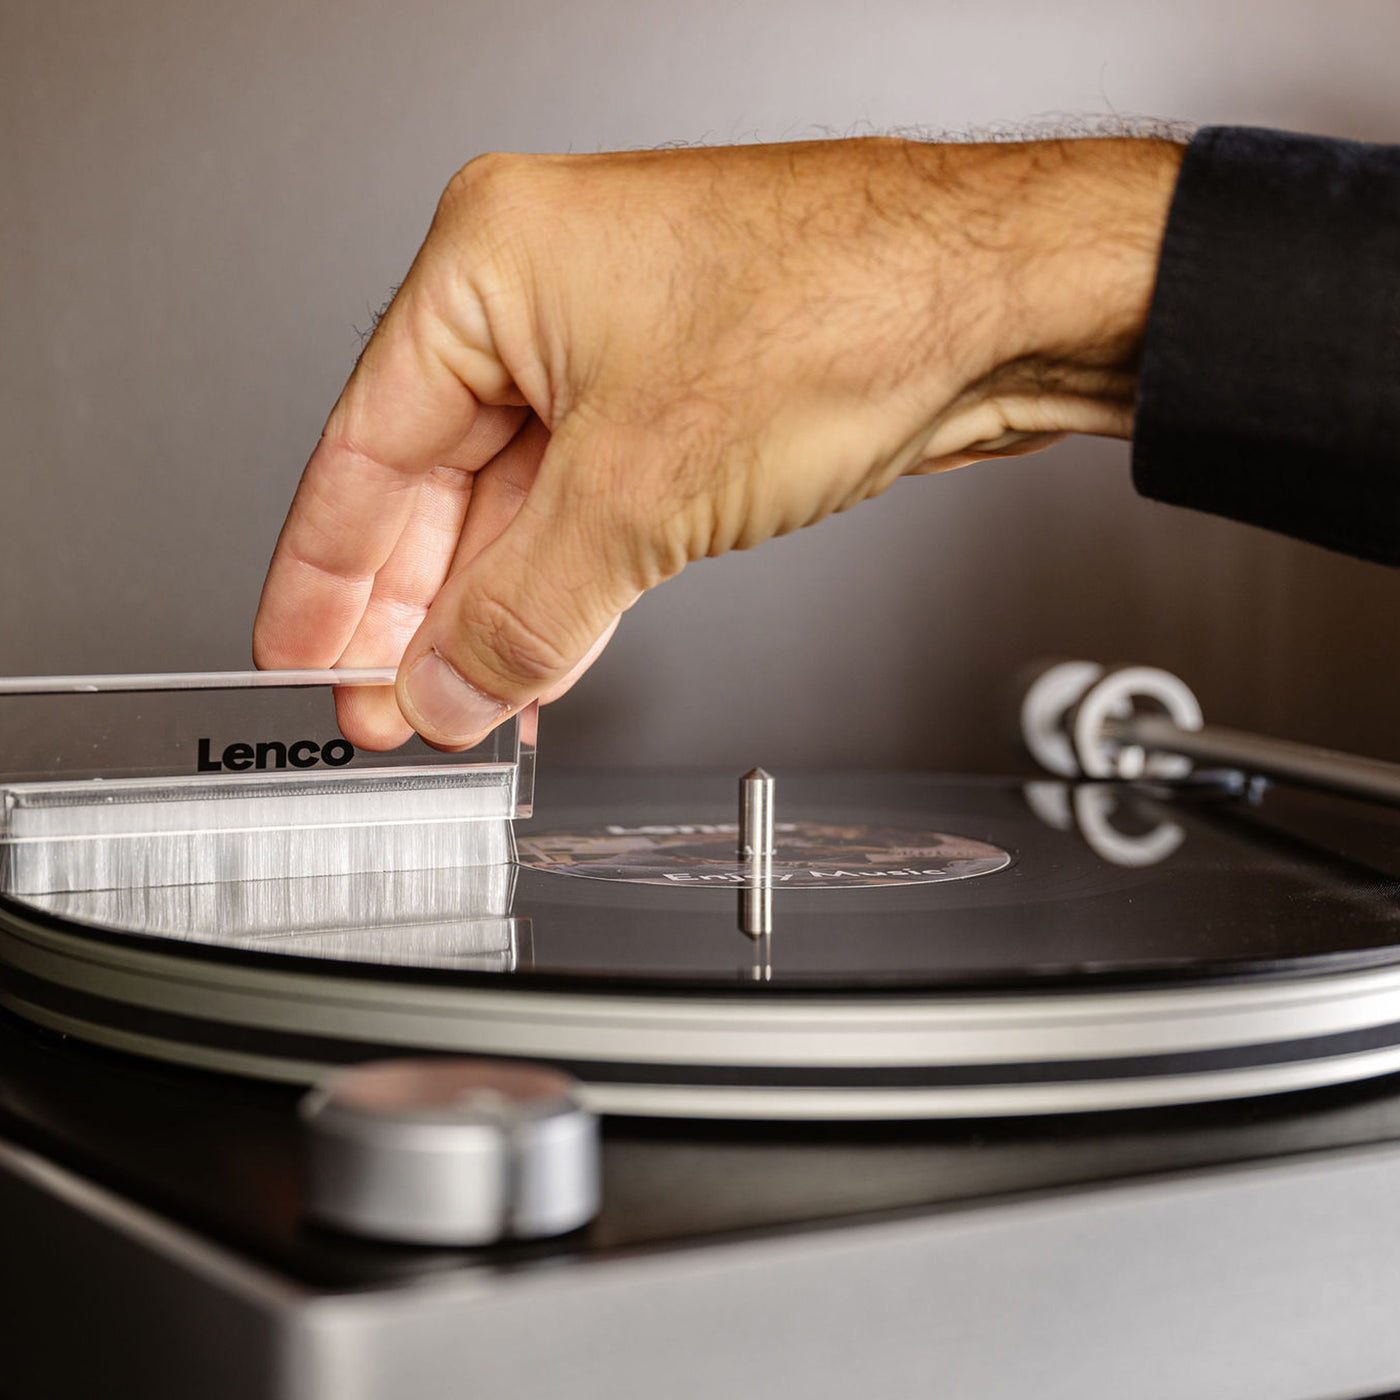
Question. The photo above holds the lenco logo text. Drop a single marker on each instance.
(305, 753)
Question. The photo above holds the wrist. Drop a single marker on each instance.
(1095, 217)
(1063, 238)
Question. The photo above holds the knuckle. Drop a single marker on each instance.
(522, 651)
(483, 185)
(489, 216)
(643, 551)
(648, 524)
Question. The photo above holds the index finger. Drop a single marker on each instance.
(402, 412)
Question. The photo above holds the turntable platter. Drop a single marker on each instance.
(1076, 947)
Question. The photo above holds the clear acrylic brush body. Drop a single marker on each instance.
(115, 782)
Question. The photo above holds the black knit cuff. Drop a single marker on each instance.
(1270, 383)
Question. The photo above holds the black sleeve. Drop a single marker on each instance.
(1270, 378)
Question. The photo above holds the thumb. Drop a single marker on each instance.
(518, 619)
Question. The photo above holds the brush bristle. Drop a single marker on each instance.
(129, 834)
(453, 918)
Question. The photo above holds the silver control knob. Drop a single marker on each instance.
(450, 1151)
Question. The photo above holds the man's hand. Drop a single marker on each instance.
(600, 368)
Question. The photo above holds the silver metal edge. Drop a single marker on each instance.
(132, 683)
(865, 1102)
(848, 1031)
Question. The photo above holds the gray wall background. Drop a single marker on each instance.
(202, 203)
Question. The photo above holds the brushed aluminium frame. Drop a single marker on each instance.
(1268, 1281)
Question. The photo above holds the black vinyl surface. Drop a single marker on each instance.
(1279, 884)
(1289, 878)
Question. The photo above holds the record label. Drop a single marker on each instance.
(807, 855)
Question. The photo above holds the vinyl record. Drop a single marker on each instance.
(1016, 948)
